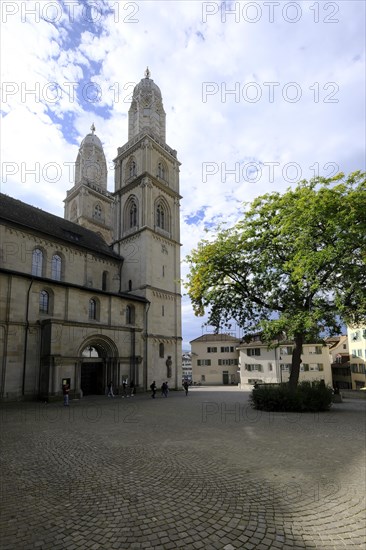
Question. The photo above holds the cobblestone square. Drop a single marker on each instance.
(199, 472)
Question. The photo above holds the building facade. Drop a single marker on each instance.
(215, 360)
(187, 366)
(95, 297)
(357, 352)
(340, 363)
(264, 365)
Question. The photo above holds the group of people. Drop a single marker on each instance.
(131, 393)
(165, 389)
(132, 388)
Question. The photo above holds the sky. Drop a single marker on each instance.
(258, 95)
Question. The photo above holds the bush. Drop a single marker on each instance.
(306, 397)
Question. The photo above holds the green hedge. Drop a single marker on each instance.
(306, 397)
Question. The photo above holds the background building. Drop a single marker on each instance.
(340, 363)
(264, 365)
(215, 359)
(187, 366)
(95, 297)
(357, 352)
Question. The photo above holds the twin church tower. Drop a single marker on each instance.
(140, 219)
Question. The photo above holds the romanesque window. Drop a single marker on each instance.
(161, 350)
(44, 300)
(37, 262)
(56, 264)
(98, 212)
(74, 211)
(131, 169)
(105, 280)
(93, 309)
(132, 214)
(161, 171)
(130, 315)
(160, 216)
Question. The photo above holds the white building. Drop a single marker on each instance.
(357, 351)
(259, 363)
(215, 359)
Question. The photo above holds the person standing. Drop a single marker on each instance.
(164, 389)
(186, 386)
(153, 389)
(66, 391)
(110, 389)
(132, 388)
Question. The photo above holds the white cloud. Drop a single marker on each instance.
(190, 51)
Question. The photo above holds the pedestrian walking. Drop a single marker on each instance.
(132, 388)
(164, 389)
(66, 391)
(110, 389)
(124, 389)
(153, 389)
(186, 386)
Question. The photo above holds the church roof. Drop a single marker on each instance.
(19, 213)
(146, 86)
(92, 139)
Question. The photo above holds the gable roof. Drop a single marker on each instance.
(29, 217)
(216, 338)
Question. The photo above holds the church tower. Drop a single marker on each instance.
(89, 203)
(147, 230)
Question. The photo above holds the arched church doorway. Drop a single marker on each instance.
(98, 365)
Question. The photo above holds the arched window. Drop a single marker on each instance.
(161, 350)
(105, 280)
(130, 315)
(133, 214)
(98, 211)
(44, 301)
(56, 264)
(92, 309)
(161, 171)
(37, 262)
(132, 169)
(160, 216)
(74, 211)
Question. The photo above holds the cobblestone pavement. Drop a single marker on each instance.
(203, 471)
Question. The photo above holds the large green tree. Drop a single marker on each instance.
(295, 264)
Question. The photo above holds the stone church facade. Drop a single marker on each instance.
(95, 296)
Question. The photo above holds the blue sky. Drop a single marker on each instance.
(257, 96)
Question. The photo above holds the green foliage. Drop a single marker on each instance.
(294, 264)
(306, 397)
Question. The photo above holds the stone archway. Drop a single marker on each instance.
(98, 365)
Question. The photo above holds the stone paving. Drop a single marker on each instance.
(199, 472)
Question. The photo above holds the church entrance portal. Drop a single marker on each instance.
(92, 378)
(98, 365)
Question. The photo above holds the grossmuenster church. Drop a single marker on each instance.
(95, 296)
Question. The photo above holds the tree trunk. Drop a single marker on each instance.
(296, 361)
